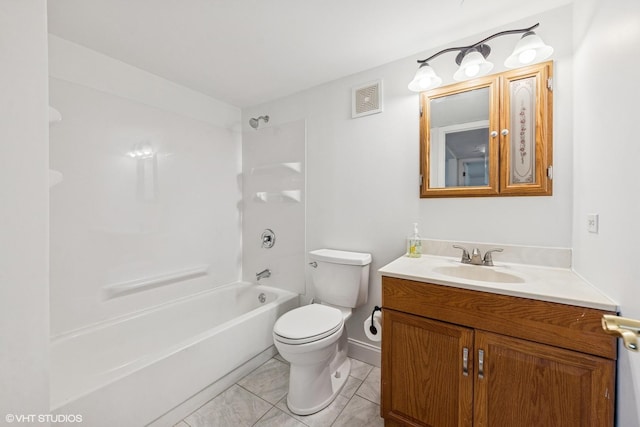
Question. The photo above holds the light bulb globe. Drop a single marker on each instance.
(425, 79)
(472, 70)
(529, 49)
(527, 56)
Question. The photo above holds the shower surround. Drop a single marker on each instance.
(118, 220)
(157, 220)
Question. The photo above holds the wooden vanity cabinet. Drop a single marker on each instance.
(455, 357)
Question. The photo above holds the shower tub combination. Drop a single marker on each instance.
(132, 371)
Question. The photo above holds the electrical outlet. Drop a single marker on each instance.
(592, 223)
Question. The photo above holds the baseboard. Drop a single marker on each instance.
(176, 414)
(365, 352)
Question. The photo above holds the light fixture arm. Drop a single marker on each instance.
(463, 49)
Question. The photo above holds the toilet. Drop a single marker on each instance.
(313, 338)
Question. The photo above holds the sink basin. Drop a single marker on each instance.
(482, 274)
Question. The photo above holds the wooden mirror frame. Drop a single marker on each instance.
(499, 146)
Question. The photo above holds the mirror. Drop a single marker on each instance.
(459, 154)
(459, 140)
(466, 146)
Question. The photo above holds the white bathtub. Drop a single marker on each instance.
(130, 371)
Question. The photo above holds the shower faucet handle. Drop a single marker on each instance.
(268, 238)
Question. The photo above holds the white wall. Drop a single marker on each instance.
(362, 174)
(115, 219)
(24, 216)
(606, 156)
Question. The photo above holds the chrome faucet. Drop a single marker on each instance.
(476, 258)
(263, 274)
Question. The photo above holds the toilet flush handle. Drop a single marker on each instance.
(313, 264)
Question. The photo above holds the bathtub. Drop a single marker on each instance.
(132, 370)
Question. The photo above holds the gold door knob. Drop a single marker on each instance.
(625, 328)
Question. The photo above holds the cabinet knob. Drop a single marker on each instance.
(505, 132)
(494, 133)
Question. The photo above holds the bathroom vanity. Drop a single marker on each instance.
(493, 346)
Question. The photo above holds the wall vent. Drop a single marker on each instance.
(366, 99)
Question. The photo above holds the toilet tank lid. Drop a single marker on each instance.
(340, 257)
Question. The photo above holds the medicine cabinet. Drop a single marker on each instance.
(490, 136)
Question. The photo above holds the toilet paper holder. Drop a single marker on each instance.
(372, 328)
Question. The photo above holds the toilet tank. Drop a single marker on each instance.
(340, 278)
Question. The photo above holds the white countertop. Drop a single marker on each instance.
(550, 284)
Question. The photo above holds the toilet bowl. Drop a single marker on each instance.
(313, 338)
(318, 370)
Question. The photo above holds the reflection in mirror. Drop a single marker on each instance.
(459, 139)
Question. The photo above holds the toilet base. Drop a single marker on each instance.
(338, 380)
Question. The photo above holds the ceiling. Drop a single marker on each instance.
(246, 52)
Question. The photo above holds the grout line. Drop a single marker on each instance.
(368, 400)
(341, 411)
(263, 415)
(349, 399)
(363, 381)
(250, 392)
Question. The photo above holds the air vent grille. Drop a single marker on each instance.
(366, 99)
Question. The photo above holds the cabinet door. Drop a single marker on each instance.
(526, 131)
(424, 379)
(529, 384)
(458, 155)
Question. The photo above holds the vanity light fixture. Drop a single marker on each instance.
(473, 62)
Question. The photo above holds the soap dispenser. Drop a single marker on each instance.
(415, 243)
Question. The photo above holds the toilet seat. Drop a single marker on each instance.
(307, 324)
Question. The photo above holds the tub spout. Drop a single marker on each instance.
(264, 273)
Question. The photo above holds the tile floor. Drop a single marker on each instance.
(259, 399)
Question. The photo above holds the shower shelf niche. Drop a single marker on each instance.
(285, 167)
(288, 196)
